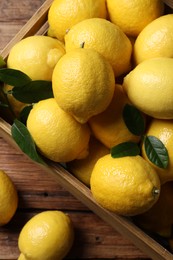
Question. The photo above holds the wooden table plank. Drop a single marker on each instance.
(107, 245)
(38, 190)
(94, 239)
(13, 15)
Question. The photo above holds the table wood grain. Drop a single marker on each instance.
(94, 239)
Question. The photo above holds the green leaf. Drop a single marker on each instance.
(2, 62)
(125, 149)
(33, 92)
(24, 113)
(24, 140)
(134, 120)
(156, 151)
(13, 77)
(3, 104)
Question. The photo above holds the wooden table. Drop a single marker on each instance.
(94, 239)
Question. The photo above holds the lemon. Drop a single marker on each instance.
(126, 186)
(58, 136)
(163, 130)
(82, 168)
(155, 40)
(159, 218)
(83, 83)
(149, 87)
(21, 257)
(117, 48)
(109, 126)
(133, 15)
(36, 56)
(8, 198)
(63, 14)
(47, 235)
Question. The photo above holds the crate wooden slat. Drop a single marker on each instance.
(121, 224)
(169, 3)
(38, 25)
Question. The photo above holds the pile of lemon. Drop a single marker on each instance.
(101, 55)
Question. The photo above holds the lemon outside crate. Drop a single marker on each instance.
(38, 25)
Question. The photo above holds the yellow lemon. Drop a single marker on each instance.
(8, 198)
(149, 87)
(36, 56)
(57, 134)
(83, 83)
(163, 130)
(109, 126)
(82, 168)
(126, 186)
(21, 257)
(63, 14)
(155, 40)
(117, 48)
(133, 15)
(47, 235)
(159, 218)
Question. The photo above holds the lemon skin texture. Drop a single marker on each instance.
(109, 126)
(8, 198)
(126, 186)
(63, 14)
(163, 130)
(155, 40)
(21, 257)
(133, 15)
(36, 56)
(47, 235)
(117, 48)
(83, 83)
(82, 168)
(149, 87)
(58, 136)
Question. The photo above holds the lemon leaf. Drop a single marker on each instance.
(3, 104)
(134, 120)
(156, 151)
(125, 149)
(24, 113)
(25, 141)
(2, 62)
(13, 77)
(33, 91)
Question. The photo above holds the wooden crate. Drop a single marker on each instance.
(38, 25)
